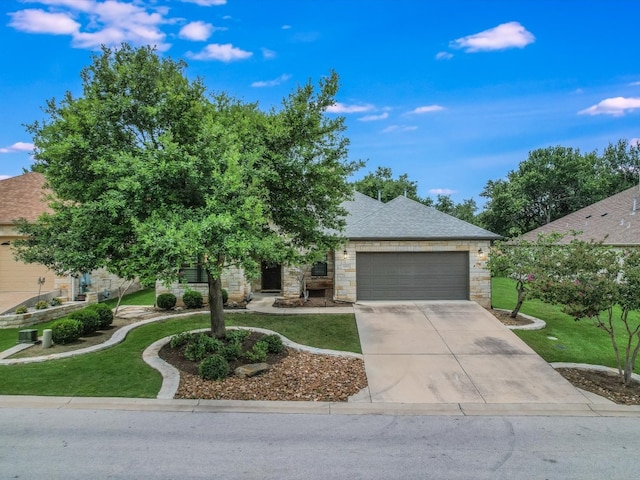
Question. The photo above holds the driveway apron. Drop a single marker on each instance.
(451, 352)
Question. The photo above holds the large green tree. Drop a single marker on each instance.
(554, 182)
(149, 172)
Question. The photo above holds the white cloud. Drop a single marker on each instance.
(442, 191)
(272, 83)
(634, 84)
(223, 53)
(286, 27)
(374, 118)
(634, 142)
(343, 108)
(39, 21)
(616, 107)
(268, 54)
(502, 37)
(18, 147)
(426, 109)
(399, 128)
(196, 31)
(105, 23)
(206, 3)
(4, 177)
(444, 56)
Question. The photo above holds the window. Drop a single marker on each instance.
(193, 273)
(319, 269)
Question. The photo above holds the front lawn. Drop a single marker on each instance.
(578, 342)
(120, 371)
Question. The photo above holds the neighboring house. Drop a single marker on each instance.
(400, 250)
(24, 197)
(614, 221)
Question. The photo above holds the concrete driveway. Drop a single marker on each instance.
(451, 352)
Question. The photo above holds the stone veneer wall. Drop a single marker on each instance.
(479, 276)
(291, 287)
(233, 281)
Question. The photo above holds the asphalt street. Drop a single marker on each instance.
(115, 444)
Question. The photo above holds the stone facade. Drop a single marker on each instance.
(479, 277)
(233, 281)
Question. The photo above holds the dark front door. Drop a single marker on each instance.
(271, 276)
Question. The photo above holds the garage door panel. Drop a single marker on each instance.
(20, 277)
(412, 276)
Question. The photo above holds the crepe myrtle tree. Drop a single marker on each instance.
(519, 260)
(149, 172)
(592, 281)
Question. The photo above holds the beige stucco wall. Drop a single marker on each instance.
(479, 277)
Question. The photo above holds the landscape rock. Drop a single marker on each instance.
(251, 370)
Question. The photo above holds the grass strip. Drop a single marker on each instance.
(563, 339)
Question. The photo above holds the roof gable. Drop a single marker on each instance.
(614, 220)
(22, 197)
(403, 218)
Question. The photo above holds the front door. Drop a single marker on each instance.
(271, 277)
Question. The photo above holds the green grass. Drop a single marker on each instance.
(9, 336)
(579, 342)
(142, 297)
(120, 372)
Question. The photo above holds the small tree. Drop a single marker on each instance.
(520, 260)
(590, 280)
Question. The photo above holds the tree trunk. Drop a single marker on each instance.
(216, 307)
(521, 291)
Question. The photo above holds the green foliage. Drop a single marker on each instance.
(232, 351)
(66, 331)
(180, 339)
(88, 318)
(258, 353)
(55, 302)
(553, 182)
(105, 315)
(237, 336)
(274, 343)
(382, 181)
(200, 346)
(225, 296)
(22, 309)
(192, 299)
(166, 301)
(214, 367)
(41, 305)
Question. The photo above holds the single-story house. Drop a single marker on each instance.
(400, 250)
(615, 221)
(23, 196)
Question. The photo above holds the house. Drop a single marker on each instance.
(24, 196)
(615, 221)
(400, 250)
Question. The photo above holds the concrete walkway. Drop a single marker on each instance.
(452, 352)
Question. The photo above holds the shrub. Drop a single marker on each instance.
(41, 305)
(166, 301)
(236, 336)
(232, 351)
(66, 330)
(55, 302)
(214, 367)
(88, 318)
(225, 296)
(274, 342)
(192, 299)
(21, 310)
(200, 346)
(105, 315)
(258, 353)
(180, 339)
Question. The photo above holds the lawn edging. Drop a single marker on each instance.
(595, 368)
(171, 375)
(538, 324)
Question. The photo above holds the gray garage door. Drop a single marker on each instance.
(412, 276)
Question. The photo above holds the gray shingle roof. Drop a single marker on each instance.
(613, 220)
(405, 219)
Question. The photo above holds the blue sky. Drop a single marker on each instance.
(453, 93)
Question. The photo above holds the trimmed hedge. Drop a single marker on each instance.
(105, 315)
(166, 301)
(65, 331)
(88, 318)
(192, 299)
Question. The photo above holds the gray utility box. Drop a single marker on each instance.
(28, 336)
